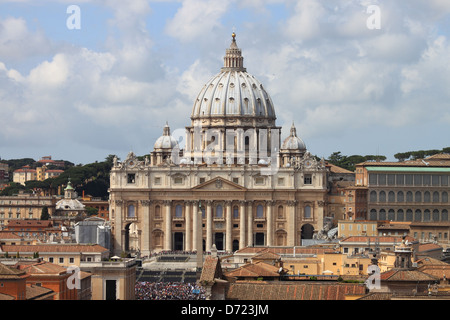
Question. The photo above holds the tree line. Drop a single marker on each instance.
(349, 162)
(92, 178)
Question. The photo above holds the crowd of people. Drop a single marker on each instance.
(168, 291)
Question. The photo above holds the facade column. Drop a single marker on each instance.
(242, 216)
(250, 223)
(118, 244)
(145, 244)
(195, 225)
(229, 230)
(208, 225)
(270, 230)
(292, 223)
(168, 225)
(188, 244)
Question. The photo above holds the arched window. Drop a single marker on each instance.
(435, 196)
(436, 215)
(373, 196)
(444, 216)
(219, 211)
(409, 215)
(131, 211)
(418, 215)
(178, 211)
(391, 196)
(444, 197)
(427, 196)
(426, 215)
(391, 215)
(400, 196)
(382, 214)
(373, 215)
(307, 212)
(259, 211)
(409, 196)
(400, 215)
(418, 196)
(382, 196)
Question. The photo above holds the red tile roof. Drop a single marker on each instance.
(280, 290)
(53, 248)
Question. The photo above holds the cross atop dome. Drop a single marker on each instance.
(233, 60)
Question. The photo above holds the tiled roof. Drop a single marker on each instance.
(211, 269)
(42, 267)
(38, 293)
(10, 273)
(406, 275)
(6, 297)
(281, 290)
(380, 239)
(53, 248)
(254, 270)
(29, 223)
(282, 250)
(10, 235)
(428, 247)
(266, 255)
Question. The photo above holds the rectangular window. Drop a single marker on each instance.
(236, 180)
(435, 180)
(308, 179)
(408, 179)
(391, 179)
(259, 181)
(417, 179)
(202, 180)
(373, 179)
(444, 180)
(71, 260)
(131, 178)
(382, 179)
(61, 260)
(157, 180)
(281, 181)
(400, 179)
(178, 180)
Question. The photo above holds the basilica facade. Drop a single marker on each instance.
(233, 183)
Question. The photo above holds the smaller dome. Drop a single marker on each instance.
(166, 141)
(293, 142)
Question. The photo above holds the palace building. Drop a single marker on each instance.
(234, 183)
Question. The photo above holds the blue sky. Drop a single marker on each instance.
(109, 88)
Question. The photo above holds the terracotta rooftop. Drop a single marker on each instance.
(211, 269)
(9, 235)
(282, 250)
(10, 273)
(30, 223)
(41, 268)
(280, 290)
(53, 248)
(380, 239)
(254, 270)
(38, 293)
(406, 275)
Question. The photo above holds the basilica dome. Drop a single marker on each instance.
(166, 141)
(233, 93)
(292, 142)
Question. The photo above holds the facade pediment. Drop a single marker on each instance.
(218, 184)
